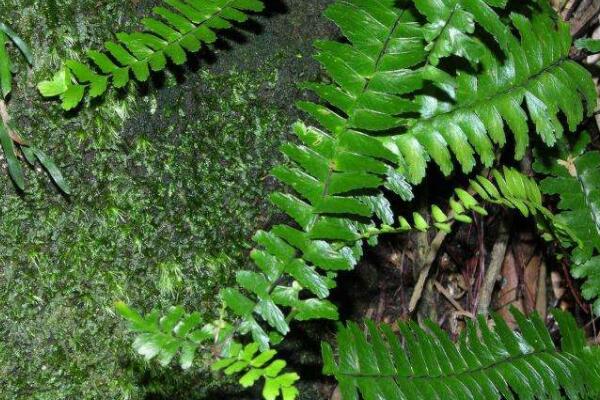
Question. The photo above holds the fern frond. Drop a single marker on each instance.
(389, 57)
(378, 80)
(338, 174)
(261, 366)
(177, 332)
(508, 188)
(484, 364)
(574, 175)
(295, 273)
(180, 26)
(297, 267)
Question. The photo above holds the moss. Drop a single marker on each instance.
(168, 188)
(163, 216)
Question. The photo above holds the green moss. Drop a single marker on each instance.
(161, 216)
(169, 183)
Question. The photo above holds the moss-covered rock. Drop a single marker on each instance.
(169, 183)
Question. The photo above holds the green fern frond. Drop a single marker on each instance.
(163, 337)
(574, 175)
(297, 268)
(483, 364)
(261, 366)
(180, 26)
(338, 174)
(508, 188)
(177, 332)
(589, 44)
(389, 57)
(378, 80)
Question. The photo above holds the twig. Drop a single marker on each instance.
(541, 298)
(493, 270)
(452, 301)
(434, 247)
(582, 21)
(568, 13)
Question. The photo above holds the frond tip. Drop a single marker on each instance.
(484, 364)
(180, 27)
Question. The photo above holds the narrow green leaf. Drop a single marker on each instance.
(14, 167)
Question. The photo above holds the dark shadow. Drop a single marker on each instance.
(275, 7)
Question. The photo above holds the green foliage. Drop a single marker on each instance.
(483, 364)
(574, 175)
(393, 105)
(338, 174)
(162, 337)
(245, 359)
(438, 81)
(515, 190)
(287, 251)
(13, 145)
(5, 64)
(507, 188)
(180, 27)
(380, 76)
(591, 45)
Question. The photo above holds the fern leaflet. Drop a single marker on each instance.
(379, 77)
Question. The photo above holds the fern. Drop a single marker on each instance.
(180, 26)
(331, 168)
(588, 44)
(391, 106)
(176, 332)
(574, 175)
(338, 176)
(12, 143)
(276, 383)
(484, 364)
(163, 337)
(290, 254)
(378, 80)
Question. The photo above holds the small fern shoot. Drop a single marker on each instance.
(180, 26)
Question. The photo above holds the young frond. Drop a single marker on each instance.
(483, 364)
(163, 337)
(256, 366)
(180, 26)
